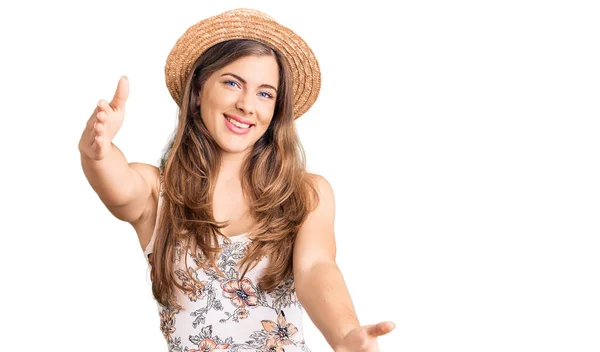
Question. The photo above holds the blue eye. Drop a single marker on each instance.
(234, 82)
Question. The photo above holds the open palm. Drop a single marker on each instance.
(364, 338)
(105, 122)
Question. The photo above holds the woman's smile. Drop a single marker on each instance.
(236, 127)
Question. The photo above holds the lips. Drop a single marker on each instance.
(233, 128)
(239, 119)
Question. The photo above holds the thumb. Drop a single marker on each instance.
(121, 94)
(380, 329)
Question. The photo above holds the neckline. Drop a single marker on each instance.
(241, 235)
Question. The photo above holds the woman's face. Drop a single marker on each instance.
(244, 90)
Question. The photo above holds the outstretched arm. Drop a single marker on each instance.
(124, 188)
(320, 285)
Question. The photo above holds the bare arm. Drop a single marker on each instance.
(320, 285)
(125, 188)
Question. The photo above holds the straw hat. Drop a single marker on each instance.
(246, 24)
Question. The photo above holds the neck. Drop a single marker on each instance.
(231, 166)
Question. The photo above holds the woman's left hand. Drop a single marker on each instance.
(364, 338)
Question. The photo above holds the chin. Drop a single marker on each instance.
(234, 148)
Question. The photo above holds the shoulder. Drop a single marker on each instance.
(317, 178)
(315, 241)
(144, 223)
(322, 203)
(145, 168)
(150, 174)
(148, 204)
(323, 188)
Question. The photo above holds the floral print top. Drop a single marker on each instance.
(230, 314)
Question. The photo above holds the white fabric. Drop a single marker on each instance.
(230, 313)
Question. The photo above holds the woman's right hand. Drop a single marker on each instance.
(105, 122)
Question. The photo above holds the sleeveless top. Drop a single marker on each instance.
(228, 314)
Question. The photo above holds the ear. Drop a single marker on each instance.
(199, 98)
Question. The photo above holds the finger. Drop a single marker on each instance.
(101, 117)
(380, 329)
(121, 94)
(99, 143)
(96, 130)
(104, 106)
(99, 128)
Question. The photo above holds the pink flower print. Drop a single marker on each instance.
(242, 293)
(208, 345)
(282, 331)
(195, 290)
(273, 345)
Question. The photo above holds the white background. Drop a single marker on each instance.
(461, 140)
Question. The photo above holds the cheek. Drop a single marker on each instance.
(267, 112)
(209, 108)
(264, 125)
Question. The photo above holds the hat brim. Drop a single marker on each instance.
(246, 24)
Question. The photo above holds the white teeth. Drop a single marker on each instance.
(238, 124)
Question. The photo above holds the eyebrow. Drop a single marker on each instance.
(244, 81)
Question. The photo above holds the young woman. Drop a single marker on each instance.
(239, 237)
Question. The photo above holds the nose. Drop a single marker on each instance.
(245, 103)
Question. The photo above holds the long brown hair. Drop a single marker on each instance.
(275, 183)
